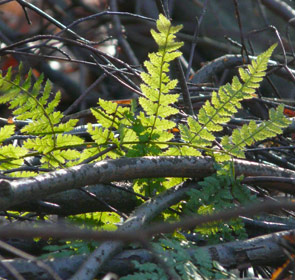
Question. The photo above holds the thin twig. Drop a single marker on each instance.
(195, 39)
(237, 12)
(31, 258)
(84, 94)
(110, 207)
(11, 270)
(105, 151)
(184, 89)
(32, 7)
(119, 35)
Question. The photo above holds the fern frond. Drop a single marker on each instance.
(34, 103)
(249, 133)
(60, 158)
(31, 102)
(101, 135)
(46, 144)
(7, 86)
(11, 156)
(157, 84)
(225, 103)
(6, 132)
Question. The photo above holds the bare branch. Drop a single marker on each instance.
(20, 191)
(141, 216)
(224, 253)
(262, 250)
(280, 8)
(230, 61)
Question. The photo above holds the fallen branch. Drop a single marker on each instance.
(280, 8)
(16, 192)
(262, 250)
(141, 216)
(74, 202)
(230, 61)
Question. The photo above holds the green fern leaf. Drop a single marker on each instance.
(157, 84)
(190, 151)
(6, 132)
(88, 153)
(67, 140)
(7, 87)
(127, 135)
(224, 104)
(47, 143)
(43, 145)
(31, 103)
(60, 158)
(101, 135)
(23, 174)
(108, 106)
(11, 156)
(104, 119)
(252, 132)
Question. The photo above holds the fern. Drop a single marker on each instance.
(157, 84)
(223, 105)
(134, 133)
(31, 103)
(249, 133)
(181, 263)
(145, 133)
(218, 192)
(142, 134)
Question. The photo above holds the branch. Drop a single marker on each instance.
(252, 250)
(280, 8)
(141, 216)
(65, 267)
(184, 88)
(74, 202)
(230, 61)
(119, 35)
(262, 250)
(106, 171)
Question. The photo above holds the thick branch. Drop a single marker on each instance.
(76, 202)
(228, 61)
(262, 250)
(16, 192)
(280, 8)
(141, 216)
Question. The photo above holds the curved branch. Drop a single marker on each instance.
(280, 8)
(16, 192)
(141, 216)
(230, 61)
(74, 202)
(262, 250)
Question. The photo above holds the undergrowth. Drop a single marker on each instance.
(147, 133)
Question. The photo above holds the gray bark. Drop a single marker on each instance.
(263, 250)
(16, 192)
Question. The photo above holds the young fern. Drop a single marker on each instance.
(249, 133)
(223, 106)
(44, 124)
(182, 263)
(157, 84)
(146, 133)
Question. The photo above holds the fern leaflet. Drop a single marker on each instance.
(249, 133)
(31, 102)
(157, 84)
